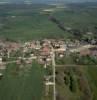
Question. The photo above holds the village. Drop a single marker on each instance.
(41, 51)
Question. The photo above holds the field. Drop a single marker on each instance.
(22, 83)
(92, 71)
(24, 22)
(83, 84)
(27, 24)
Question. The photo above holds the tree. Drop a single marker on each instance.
(66, 80)
(72, 85)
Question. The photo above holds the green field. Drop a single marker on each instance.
(22, 83)
(29, 22)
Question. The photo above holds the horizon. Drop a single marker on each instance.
(45, 1)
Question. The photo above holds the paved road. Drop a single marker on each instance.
(53, 66)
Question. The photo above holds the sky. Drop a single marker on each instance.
(46, 1)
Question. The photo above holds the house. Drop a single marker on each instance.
(13, 46)
(90, 51)
(0, 60)
(46, 42)
(93, 51)
(37, 45)
(44, 60)
(45, 55)
(85, 52)
(1, 76)
(32, 45)
(45, 51)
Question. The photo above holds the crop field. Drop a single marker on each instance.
(25, 83)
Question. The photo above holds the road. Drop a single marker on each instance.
(9, 62)
(14, 61)
(75, 65)
(54, 70)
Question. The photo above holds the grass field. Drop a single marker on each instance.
(22, 84)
